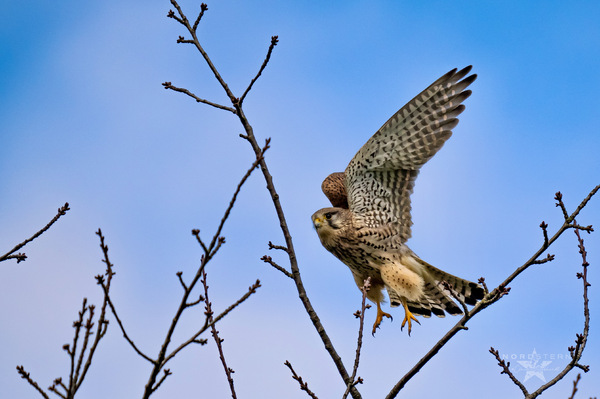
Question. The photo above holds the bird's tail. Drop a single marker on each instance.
(440, 291)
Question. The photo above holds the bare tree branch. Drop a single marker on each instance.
(493, 296)
(249, 136)
(207, 324)
(25, 375)
(168, 85)
(506, 370)
(79, 368)
(360, 314)
(575, 382)
(269, 260)
(274, 41)
(20, 257)
(219, 341)
(303, 385)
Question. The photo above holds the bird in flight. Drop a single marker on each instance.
(370, 221)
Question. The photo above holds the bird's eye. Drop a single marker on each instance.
(328, 215)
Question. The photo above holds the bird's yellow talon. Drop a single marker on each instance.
(380, 315)
(408, 316)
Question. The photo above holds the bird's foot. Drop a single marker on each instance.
(408, 316)
(380, 315)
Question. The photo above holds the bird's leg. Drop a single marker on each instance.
(408, 316)
(380, 315)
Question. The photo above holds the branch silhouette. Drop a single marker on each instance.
(502, 289)
(81, 360)
(251, 138)
(21, 257)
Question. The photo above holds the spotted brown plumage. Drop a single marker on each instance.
(370, 220)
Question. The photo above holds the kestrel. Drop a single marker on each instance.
(370, 222)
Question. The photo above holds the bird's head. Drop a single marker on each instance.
(327, 220)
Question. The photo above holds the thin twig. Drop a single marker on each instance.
(481, 281)
(259, 158)
(575, 382)
(505, 370)
(561, 204)
(25, 375)
(269, 260)
(20, 257)
(166, 373)
(113, 309)
(274, 41)
(279, 247)
(168, 85)
(215, 334)
(102, 323)
(196, 233)
(361, 315)
(203, 7)
(548, 258)
(303, 385)
(207, 324)
(544, 227)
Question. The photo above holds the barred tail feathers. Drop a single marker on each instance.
(465, 290)
(437, 299)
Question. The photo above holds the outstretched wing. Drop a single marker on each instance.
(381, 176)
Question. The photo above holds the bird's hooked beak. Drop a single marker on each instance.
(317, 222)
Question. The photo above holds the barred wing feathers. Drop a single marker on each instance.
(381, 176)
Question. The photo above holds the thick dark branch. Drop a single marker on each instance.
(215, 334)
(249, 136)
(25, 375)
(168, 85)
(303, 385)
(292, 256)
(361, 315)
(505, 370)
(274, 41)
(20, 257)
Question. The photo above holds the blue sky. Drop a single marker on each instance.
(84, 119)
